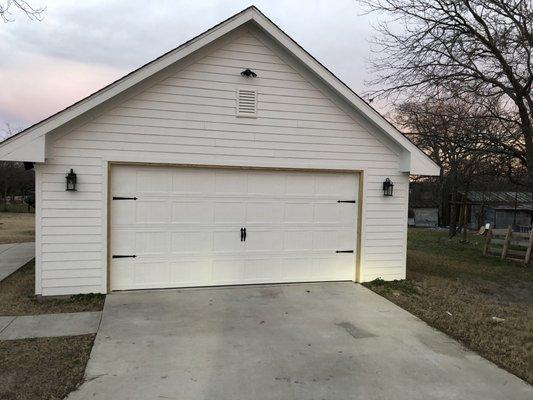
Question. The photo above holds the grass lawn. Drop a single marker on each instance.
(452, 287)
(17, 297)
(43, 368)
(17, 227)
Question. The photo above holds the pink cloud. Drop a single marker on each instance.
(39, 86)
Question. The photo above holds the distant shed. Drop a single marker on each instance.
(500, 209)
(424, 213)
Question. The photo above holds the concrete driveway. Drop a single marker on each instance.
(308, 341)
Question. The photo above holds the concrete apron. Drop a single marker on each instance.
(307, 341)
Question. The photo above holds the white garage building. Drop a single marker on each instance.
(236, 158)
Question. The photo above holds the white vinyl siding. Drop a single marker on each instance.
(189, 117)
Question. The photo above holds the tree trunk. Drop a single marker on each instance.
(5, 198)
(527, 132)
(453, 222)
(465, 216)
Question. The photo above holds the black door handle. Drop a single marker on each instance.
(245, 234)
(242, 234)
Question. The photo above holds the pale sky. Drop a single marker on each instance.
(81, 46)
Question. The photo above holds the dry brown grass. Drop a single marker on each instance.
(17, 227)
(43, 368)
(17, 297)
(453, 288)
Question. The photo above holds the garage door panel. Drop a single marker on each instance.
(229, 212)
(122, 212)
(300, 184)
(267, 183)
(123, 241)
(193, 181)
(299, 213)
(263, 240)
(333, 268)
(264, 212)
(192, 212)
(152, 212)
(122, 275)
(326, 240)
(230, 181)
(298, 269)
(153, 180)
(335, 213)
(151, 273)
(184, 227)
(262, 270)
(190, 273)
(298, 240)
(123, 181)
(191, 242)
(347, 213)
(227, 241)
(151, 242)
(345, 239)
(343, 185)
(227, 272)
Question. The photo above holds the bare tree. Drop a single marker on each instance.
(461, 48)
(33, 13)
(447, 129)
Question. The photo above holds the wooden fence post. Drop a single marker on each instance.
(487, 241)
(529, 247)
(507, 241)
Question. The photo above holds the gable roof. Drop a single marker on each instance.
(29, 145)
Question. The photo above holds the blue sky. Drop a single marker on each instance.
(80, 47)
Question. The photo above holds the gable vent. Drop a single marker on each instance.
(246, 103)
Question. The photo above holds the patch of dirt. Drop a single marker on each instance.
(17, 297)
(43, 368)
(453, 295)
(17, 227)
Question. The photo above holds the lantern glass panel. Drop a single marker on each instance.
(388, 187)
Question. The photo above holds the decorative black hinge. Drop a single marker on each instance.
(124, 198)
(124, 256)
(344, 251)
(346, 201)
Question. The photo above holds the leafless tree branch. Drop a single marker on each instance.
(33, 13)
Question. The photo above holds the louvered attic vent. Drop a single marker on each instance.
(246, 103)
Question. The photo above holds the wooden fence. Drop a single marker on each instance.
(507, 244)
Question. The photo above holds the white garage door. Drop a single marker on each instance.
(178, 227)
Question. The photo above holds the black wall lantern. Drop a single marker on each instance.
(71, 181)
(388, 186)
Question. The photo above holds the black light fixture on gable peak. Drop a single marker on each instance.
(248, 73)
(388, 187)
(71, 181)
